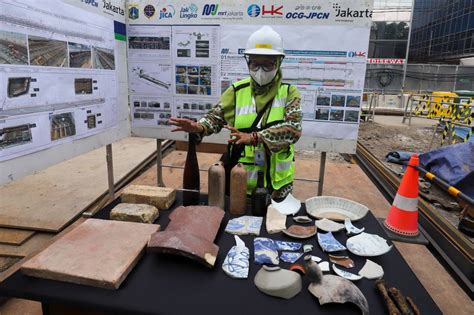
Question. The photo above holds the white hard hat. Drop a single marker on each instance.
(265, 41)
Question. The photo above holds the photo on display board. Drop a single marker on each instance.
(193, 80)
(62, 126)
(352, 116)
(149, 42)
(103, 58)
(80, 56)
(322, 114)
(353, 101)
(336, 115)
(13, 48)
(338, 100)
(323, 100)
(47, 52)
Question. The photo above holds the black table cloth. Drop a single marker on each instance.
(165, 284)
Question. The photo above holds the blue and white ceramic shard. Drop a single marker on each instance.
(236, 263)
(265, 251)
(290, 257)
(346, 274)
(283, 245)
(351, 229)
(328, 243)
(244, 225)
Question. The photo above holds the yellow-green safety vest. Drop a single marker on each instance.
(281, 168)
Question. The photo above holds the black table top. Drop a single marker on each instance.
(164, 284)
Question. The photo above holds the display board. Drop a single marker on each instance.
(63, 81)
(183, 55)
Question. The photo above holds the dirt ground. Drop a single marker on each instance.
(380, 139)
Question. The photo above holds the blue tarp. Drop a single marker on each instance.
(454, 164)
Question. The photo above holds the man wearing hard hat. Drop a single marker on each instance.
(263, 115)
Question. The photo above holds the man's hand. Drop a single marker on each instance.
(238, 137)
(186, 125)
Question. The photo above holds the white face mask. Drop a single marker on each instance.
(263, 77)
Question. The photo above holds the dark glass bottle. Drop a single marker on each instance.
(191, 174)
(260, 197)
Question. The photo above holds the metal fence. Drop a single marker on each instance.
(420, 78)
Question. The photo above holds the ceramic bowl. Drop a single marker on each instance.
(335, 208)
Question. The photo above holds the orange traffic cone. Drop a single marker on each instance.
(403, 216)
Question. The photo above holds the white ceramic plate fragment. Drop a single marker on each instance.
(329, 225)
(368, 245)
(371, 270)
(351, 229)
(290, 205)
(346, 274)
(335, 208)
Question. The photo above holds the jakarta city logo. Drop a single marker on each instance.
(133, 12)
(253, 10)
(167, 12)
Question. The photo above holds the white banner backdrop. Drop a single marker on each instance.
(183, 68)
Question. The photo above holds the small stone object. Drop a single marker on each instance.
(299, 231)
(290, 257)
(275, 221)
(236, 263)
(328, 243)
(160, 197)
(265, 251)
(346, 274)
(190, 233)
(134, 213)
(329, 225)
(216, 185)
(238, 189)
(351, 229)
(283, 245)
(307, 248)
(244, 225)
(302, 219)
(371, 270)
(368, 245)
(344, 261)
(278, 282)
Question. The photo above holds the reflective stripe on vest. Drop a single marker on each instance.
(281, 165)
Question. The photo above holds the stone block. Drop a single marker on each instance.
(134, 213)
(160, 197)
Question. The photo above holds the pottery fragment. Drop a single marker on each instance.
(346, 274)
(324, 265)
(132, 212)
(299, 231)
(265, 251)
(275, 221)
(328, 243)
(371, 270)
(290, 205)
(351, 229)
(284, 245)
(329, 225)
(307, 248)
(343, 261)
(333, 289)
(244, 225)
(302, 219)
(315, 258)
(236, 263)
(368, 245)
(274, 281)
(290, 257)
